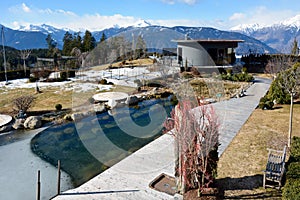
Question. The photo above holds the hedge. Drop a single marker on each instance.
(291, 189)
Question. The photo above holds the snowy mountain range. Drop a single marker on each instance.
(279, 36)
(259, 39)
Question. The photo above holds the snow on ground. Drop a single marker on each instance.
(89, 80)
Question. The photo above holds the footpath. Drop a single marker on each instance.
(130, 178)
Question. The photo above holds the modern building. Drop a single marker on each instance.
(206, 52)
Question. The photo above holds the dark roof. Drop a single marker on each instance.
(209, 40)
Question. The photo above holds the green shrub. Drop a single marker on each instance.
(229, 71)
(291, 190)
(277, 93)
(295, 149)
(293, 170)
(187, 75)
(63, 76)
(33, 79)
(240, 77)
(244, 70)
(58, 107)
(265, 103)
(226, 77)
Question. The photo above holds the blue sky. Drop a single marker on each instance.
(100, 14)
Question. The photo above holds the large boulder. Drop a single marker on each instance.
(19, 124)
(33, 122)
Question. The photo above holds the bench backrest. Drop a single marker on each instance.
(276, 160)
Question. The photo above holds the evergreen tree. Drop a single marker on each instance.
(68, 43)
(295, 48)
(103, 37)
(51, 45)
(140, 48)
(89, 42)
(77, 41)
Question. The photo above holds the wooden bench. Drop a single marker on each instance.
(275, 168)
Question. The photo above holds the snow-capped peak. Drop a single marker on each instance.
(44, 28)
(249, 28)
(246, 27)
(293, 21)
(142, 23)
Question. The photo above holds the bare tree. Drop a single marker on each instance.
(279, 63)
(196, 133)
(290, 81)
(23, 102)
(24, 55)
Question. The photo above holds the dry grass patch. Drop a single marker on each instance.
(209, 88)
(240, 166)
(132, 63)
(46, 100)
(50, 96)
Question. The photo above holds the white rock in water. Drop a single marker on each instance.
(33, 122)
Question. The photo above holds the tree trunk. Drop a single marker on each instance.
(291, 121)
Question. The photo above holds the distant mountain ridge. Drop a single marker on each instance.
(279, 36)
(155, 36)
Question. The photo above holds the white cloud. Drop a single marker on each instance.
(25, 8)
(260, 15)
(99, 22)
(22, 15)
(237, 16)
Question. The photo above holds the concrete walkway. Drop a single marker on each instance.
(129, 179)
(235, 112)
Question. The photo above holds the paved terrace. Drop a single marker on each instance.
(129, 179)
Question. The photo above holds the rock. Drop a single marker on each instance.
(77, 116)
(5, 128)
(99, 108)
(132, 100)
(19, 124)
(68, 117)
(33, 122)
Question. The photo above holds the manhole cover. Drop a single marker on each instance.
(164, 183)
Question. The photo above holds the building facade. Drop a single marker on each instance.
(206, 52)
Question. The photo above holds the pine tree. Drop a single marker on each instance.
(103, 37)
(89, 42)
(140, 48)
(295, 48)
(77, 41)
(68, 43)
(51, 45)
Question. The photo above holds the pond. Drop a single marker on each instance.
(93, 144)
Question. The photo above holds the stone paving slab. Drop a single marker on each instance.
(129, 179)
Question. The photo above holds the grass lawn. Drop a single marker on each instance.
(240, 166)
